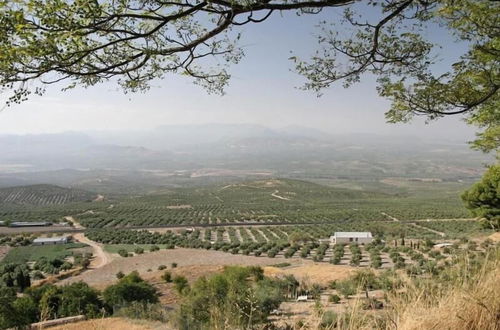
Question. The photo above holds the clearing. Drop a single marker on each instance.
(147, 262)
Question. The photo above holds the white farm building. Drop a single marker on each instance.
(50, 240)
(346, 237)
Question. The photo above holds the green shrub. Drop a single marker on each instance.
(328, 320)
(128, 289)
(123, 253)
(167, 277)
(334, 299)
(181, 284)
(346, 288)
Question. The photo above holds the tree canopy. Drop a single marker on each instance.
(483, 198)
(135, 41)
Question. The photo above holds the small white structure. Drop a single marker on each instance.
(50, 240)
(346, 237)
(442, 245)
(302, 298)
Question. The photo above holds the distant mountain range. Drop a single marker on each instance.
(173, 153)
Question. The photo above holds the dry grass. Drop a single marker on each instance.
(113, 323)
(475, 304)
(467, 300)
(321, 273)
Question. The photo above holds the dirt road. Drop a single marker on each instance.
(101, 258)
(75, 223)
(428, 229)
(390, 216)
(274, 194)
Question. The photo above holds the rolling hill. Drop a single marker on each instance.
(43, 195)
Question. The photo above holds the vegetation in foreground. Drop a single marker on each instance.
(243, 298)
(51, 302)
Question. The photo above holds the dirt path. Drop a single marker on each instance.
(274, 194)
(390, 216)
(75, 223)
(101, 258)
(440, 233)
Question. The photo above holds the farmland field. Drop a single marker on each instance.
(24, 254)
(43, 195)
(277, 201)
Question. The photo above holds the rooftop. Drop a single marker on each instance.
(49, 239)
(359, 234)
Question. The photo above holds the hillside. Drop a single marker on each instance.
(274, 201)
(43, 195)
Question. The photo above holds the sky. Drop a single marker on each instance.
(263, 90)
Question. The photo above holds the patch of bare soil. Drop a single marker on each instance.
(495, 237)
(113, 323)
(75, 223)
(3, 251)
(313, 272)
(148, 262)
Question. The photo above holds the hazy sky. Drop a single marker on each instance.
(263, 90)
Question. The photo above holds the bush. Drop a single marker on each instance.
(120, 275)
(282, 265)
(154, 248)
(346, 288)
(143, 311)
(234, 299)
(167, 277)
(328, 320)
(334, 299)
(162, 267)
(37, 275)
(174, 265)
(128, 289)
(139, 250)
(123, 253)
(181, 284)
(335, 260)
